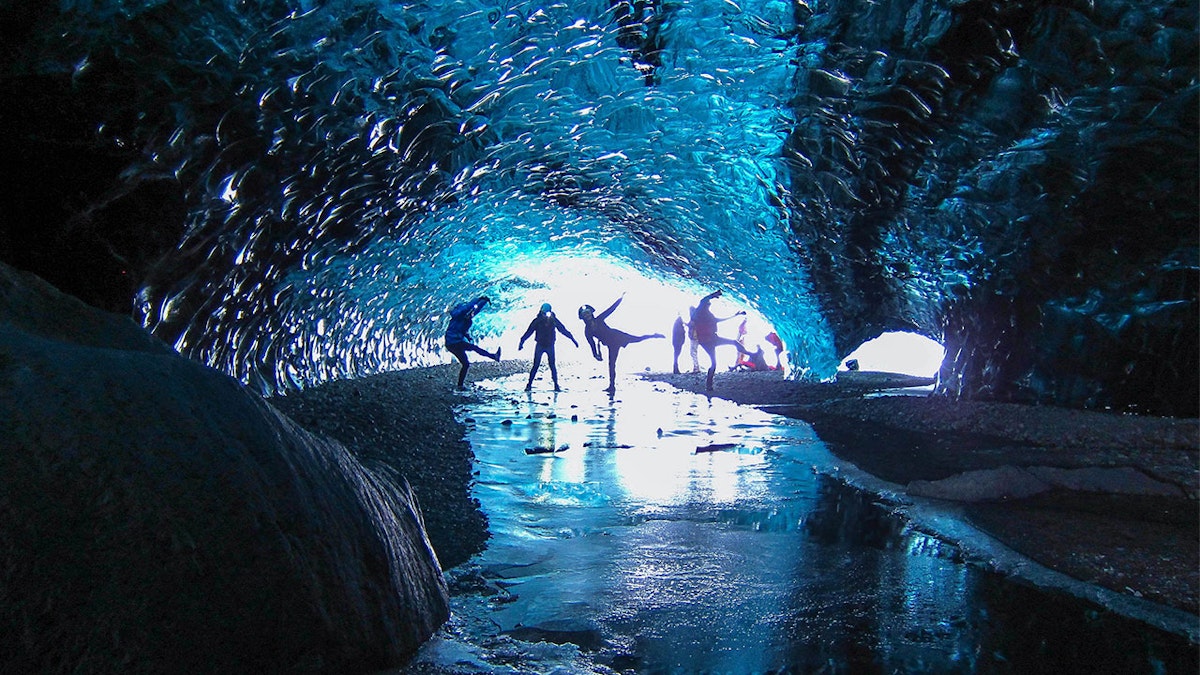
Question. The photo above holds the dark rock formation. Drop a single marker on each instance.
(155, 516)
(1016, 179)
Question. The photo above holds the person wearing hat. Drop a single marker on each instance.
(458, 338)
(597, 332)
(544, 328)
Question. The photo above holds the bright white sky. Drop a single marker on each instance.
(905, 353)
(650, 306)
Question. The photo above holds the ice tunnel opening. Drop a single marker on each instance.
(650, 303)
(385, 306)
(899, 352)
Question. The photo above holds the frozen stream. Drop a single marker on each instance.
(672, 533)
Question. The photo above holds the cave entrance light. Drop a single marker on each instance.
(650, 305)
(899, 352)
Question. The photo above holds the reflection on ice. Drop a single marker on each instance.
(625, 548)
(639, 448)
(678, 558)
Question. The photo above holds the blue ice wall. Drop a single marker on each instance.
(1015, 179)
(354, 169)
(1018, 179)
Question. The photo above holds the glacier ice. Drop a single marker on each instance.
(1016, 180)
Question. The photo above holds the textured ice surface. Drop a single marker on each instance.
(628, 549)
(1016, 180)
(417, 155)
(737, 560)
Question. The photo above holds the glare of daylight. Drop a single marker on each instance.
(904, 353)
(648, 305)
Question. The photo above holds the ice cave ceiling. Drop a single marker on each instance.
(296, 190)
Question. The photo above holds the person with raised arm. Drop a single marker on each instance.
(705, 325)
(544, 328)
(597, 332)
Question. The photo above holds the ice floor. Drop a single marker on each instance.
(659, 531)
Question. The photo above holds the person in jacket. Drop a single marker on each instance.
(705, 324)
(458, 335)
(678, 335)
(544, 328)
(777, 343)
(597, 332)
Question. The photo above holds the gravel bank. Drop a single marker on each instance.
(404, 421)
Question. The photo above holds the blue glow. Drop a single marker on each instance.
(840, 167)
(521, 252)
(648, 306)
(513, 139)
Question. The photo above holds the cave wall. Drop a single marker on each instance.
(1017, 180)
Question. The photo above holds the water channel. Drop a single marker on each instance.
(657, 531)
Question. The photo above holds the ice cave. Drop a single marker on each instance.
(295, 192)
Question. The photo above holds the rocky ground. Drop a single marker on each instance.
(1145, 544)
(405, 421)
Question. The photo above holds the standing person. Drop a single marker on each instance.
(458, 335)
(693, 345)
(773, 338)
(596, 332)
(678, 333)
(744, 359)
(706, 334)
(544, 328)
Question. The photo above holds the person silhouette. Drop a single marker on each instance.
(597, 332)
(744, 360)
(777, 343)
(705, 324)
(458, 335)
(544, 328)
(678, 335)
(693, 345)
(756, 361)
